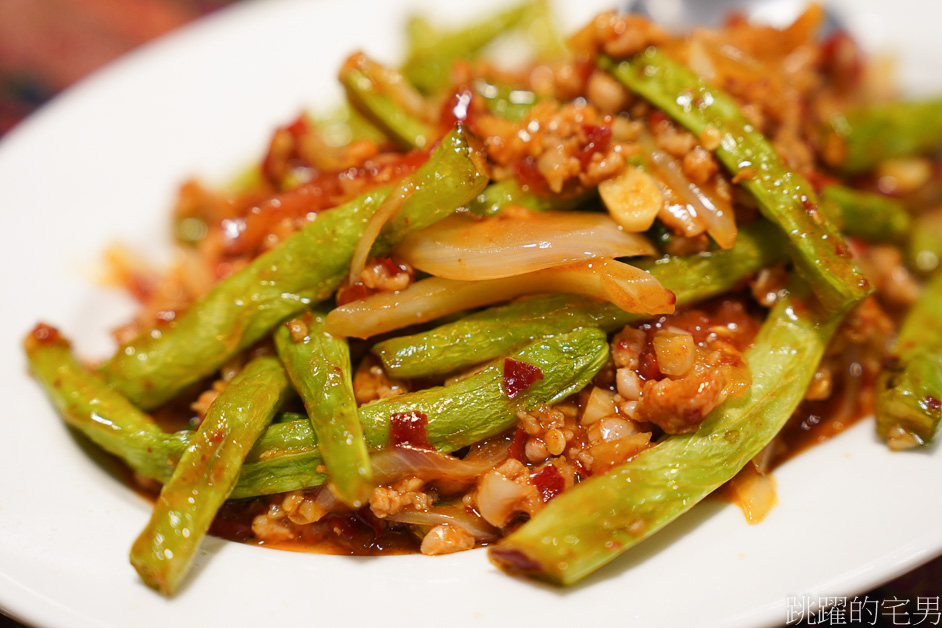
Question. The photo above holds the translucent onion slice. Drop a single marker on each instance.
(394, 463)
(386, 211)
(718, 217)
(463, 247)
(473, 525)
(754, 492)
(628, 287)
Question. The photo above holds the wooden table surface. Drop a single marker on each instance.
(46, 45)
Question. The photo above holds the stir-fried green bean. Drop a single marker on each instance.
(499, 195)
(490, 333)
(432, 53)
(924, 247)
(304, 269)
(372, 89)
(783, 196)
(88, 404)
(876, 132)
(909, 391)
(506, 101)
(207, 472)
(873, 217)
(286, 456)
(529, 354)
(319, 367)
(563, 543)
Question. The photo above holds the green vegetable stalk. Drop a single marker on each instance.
(924, 247)
(783, 196)
(873, 133)
(432, 54)
(319, 367)
(500, 194)
(305, 269)
(909, 390)
(873, 217)
(286, 457)
(373, 89)
(206, 473)
(592, 523)
(88, 404)
(495, 331)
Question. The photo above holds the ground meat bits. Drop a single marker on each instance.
(674, 372)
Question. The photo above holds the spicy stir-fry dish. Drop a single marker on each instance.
(544, 305)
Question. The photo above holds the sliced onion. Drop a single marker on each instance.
(630, 288)
(463, 247)
(472, 524)
(394, 463)
(499, 498)
(717, 216)
(386, 211)
(754, 492)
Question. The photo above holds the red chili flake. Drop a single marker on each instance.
(581, 470)
(45, 334)
(933, 403)
(408, 429)
(518, 445)
(528, 175)
(298, 127)
(597, 140)
(460, 106)
(518, 376)
(842, 59)
(657, 117)
(549, 482)
(356, 292)
(648, 367)
(392, 267)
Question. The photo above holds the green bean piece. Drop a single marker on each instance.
(286, 457)
(872, 217)
(493, 332)
(909, 390)
(432, 53)
(562, 544)
(372, 88)
(304, 269)
(783, 196)
(506, 101)
(344, 124)
(873, 133)
(206, 473)
(924, 248)
(482, 407)
(318, 365)
(88, 404)
(500, 194)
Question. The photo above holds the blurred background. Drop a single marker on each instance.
(47, 45)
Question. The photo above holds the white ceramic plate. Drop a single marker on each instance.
(102, 163)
